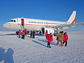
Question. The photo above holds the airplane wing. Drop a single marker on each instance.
(68, 25)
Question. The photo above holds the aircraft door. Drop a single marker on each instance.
(19, 21)
(43, 30)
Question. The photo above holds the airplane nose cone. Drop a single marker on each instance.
(4, 25)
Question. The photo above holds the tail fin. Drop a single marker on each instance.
(72, 18)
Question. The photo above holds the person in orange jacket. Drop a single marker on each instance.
(65, 39)
(25, 30)
(49, 38)
(19, 33)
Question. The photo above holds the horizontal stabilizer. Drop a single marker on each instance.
(69, 25)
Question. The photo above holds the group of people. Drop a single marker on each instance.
(23, 33)
(32, 34)
(63, 38)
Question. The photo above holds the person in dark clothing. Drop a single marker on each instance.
(33, 34)
(23, 35)
(40, 32)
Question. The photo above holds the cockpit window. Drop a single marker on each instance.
(12, 21)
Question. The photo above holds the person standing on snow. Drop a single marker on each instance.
(46, 33)
(23, 35)
(65, 39)
(60, 38)
(57, 38)
(25, 30)
(19, 33)
(33, 34)
(49, 38)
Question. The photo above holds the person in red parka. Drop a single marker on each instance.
(49, 38)
(65, 39)
(19, 33)
(22, 22)
(57, 38)
(46, 33)
(25, 30)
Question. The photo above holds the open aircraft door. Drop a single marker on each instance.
(18, 21)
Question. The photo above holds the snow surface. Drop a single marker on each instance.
(29, 50)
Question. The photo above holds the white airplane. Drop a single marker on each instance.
(42, 25)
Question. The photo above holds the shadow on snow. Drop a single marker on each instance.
(11, 34)
(8, 56)
(52, 43)
(39, 43)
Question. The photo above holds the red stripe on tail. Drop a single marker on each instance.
(73, 21)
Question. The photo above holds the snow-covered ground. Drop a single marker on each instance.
(28, 50)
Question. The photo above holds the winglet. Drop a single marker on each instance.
(72, 18)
